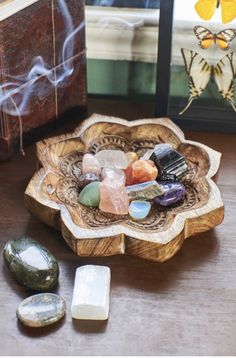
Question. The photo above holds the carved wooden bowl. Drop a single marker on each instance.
(52, 194)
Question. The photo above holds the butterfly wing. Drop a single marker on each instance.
(228, 9)
(223, 38)
(205, 37)
(199, 73)
(225, 73)
(206, 8)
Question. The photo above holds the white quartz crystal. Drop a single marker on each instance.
(148, 154)
(115, 159)
(91, 292)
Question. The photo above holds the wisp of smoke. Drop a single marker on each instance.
(41, 80)
(104, 2)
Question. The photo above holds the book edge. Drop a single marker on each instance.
(13, 7)
(3, 115)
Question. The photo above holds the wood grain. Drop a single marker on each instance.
(185, 306)
(52, 194)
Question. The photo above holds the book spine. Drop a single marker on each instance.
(3, 115)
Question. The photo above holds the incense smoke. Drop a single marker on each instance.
(41, 80)
(127, 21)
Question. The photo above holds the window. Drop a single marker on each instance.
(122, 47)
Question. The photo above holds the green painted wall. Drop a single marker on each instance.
(121, 78)
(137, 79)
(108, 77)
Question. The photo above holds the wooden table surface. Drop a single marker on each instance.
(186, 306)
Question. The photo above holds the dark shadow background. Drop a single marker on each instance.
(151, 4)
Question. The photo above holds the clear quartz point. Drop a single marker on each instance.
(114, 159)
(91, 293)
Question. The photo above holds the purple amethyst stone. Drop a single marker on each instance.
(173, 192)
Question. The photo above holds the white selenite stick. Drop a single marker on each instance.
(91, 292)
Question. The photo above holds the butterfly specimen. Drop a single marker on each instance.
(206, 9)
(207, 38)
(200, 73)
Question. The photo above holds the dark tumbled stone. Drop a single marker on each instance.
(169, 161)
(166, 178)
(31, 264)
(86, 179)
(41, 310)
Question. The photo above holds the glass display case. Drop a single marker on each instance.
(202, 67)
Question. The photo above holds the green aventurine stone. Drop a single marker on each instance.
(41, 310)
(90, 195)
(31, 264)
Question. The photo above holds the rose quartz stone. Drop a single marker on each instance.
(113, 196)
(91, 165)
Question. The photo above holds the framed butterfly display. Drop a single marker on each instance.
(202, 92)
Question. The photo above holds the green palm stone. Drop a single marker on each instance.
(31, 264)
(41, 310)
(90, 195)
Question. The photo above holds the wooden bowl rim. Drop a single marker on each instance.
(163, 237)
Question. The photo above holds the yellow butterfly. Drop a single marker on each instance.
(200, 73)
(206, 9)
(207, 38)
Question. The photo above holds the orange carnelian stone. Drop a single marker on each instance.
(141, 171)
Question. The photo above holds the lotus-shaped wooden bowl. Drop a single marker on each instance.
(52, 194)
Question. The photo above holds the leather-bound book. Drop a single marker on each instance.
(42, 68)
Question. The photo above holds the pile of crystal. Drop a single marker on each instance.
(121, 183)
